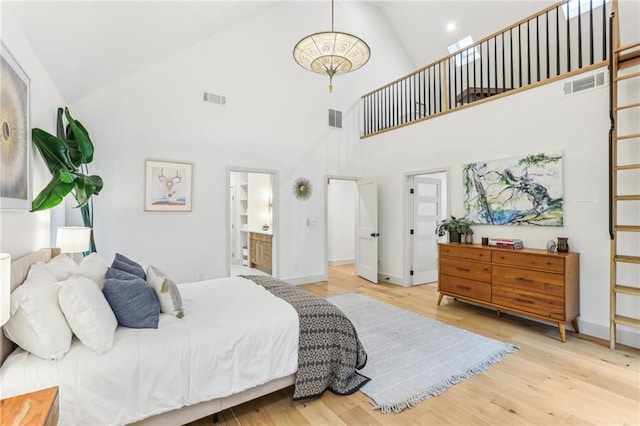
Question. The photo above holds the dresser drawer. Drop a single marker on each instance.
(549, 263)
(464, 252)
(530, 280)
(536, 303)
(465, 269)
(464, 287)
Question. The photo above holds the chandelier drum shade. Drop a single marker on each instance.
(331, 52)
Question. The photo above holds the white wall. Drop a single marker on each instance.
(341, 219)
(275, 119)
(21, 231)
(539, 120)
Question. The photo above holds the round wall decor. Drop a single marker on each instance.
(302, 188)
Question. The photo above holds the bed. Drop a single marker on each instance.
(237, 341)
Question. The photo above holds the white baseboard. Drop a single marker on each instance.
(625, 336)
(305, 280)
(340, 262)
(386, 278)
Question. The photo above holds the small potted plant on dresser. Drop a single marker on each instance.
(456, 227)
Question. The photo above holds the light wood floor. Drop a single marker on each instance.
(581, 381)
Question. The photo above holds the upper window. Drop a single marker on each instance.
(570, 9)
(466, 56)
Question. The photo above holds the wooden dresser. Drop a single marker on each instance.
(528, 282)
(39, 408)
(260, 251)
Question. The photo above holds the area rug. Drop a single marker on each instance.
(412, 357)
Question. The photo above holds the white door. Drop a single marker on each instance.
(427, 201)
(367, 231)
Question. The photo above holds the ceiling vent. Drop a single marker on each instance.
(335, 119)
(215, 99)
(585, 83)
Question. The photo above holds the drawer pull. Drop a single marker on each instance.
(463, 287)
(462, 269)
(530, 302)
(524, 280)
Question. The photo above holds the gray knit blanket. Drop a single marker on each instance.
(329, 351)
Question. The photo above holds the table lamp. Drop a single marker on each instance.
(5, 287)
(73, 239)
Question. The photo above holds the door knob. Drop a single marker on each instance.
(375, 234)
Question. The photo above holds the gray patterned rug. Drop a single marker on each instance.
(412, 357)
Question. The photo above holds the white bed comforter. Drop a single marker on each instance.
(234, 335)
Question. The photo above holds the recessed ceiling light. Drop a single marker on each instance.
(451, 26)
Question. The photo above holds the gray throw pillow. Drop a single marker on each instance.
(119, 274)
(133, 302)
(125, 264)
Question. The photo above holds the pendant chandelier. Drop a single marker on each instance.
(331, 53)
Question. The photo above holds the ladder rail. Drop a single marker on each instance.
(620, 57)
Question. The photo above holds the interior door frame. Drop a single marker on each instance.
(275, 218)
(327, 178)
(408, 214)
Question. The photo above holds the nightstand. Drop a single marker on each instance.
(39, 408)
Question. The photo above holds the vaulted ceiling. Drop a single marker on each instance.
(86, 45)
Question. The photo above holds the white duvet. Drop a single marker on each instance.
(234, 335)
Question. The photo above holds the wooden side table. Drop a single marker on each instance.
(39, 408)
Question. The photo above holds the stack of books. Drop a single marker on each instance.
(509, 243)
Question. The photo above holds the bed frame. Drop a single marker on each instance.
(20, 268)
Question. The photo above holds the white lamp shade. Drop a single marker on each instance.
(73, 239)
(5, 287)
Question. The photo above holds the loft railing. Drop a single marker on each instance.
(536, 50)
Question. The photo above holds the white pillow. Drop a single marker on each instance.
(62, 267)
(88, 312)
(95, 267)
(37, 324)
(166, 290)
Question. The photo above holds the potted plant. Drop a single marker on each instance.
(455, 227)
(66, 156)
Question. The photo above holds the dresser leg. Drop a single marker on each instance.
(574, 322)
(440, 298)
(563, 332)
(498, 313)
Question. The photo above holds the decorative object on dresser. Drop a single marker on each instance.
(508, 243)
(529, 282)
(15, 186)
(167, 186)
(456, 227)
(260, 251)
(563, 245)
(39, 408)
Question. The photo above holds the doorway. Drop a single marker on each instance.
(427, 205)
(252, 222)
(341, 223)
(351, 237)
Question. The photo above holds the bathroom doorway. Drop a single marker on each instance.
(251, 216)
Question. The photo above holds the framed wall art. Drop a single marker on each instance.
(523, 190)
(167, 186)
(15, 140)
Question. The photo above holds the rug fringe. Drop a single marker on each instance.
(439, 388)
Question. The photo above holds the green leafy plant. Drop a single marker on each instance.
(454, 225)
(66, 156)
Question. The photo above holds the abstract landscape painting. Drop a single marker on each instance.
(515, 191)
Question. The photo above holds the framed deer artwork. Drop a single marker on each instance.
(167, 186)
